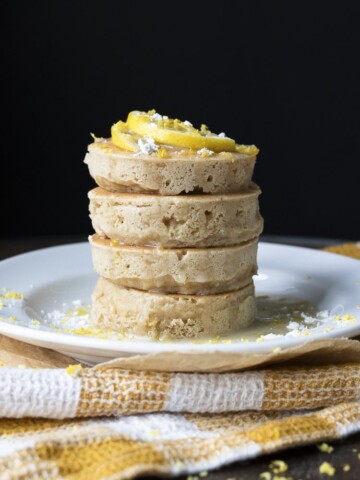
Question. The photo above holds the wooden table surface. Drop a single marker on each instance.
(303, 463)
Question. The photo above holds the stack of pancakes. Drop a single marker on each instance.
(176, 241)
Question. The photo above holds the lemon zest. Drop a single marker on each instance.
(95, 138)
(265, 476)
(215, 340)
(327, 469)
(247, 149)
(325, 448)
(163, 152)
(278, 466)
(73, 370)
(13, 295)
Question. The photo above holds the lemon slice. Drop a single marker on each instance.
(170, 131)
(123, 138)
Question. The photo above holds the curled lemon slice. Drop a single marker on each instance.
(122, 137)
(170, 131)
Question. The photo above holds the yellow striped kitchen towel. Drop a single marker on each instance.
(168, 423)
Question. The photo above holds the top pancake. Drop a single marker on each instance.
(182, 172)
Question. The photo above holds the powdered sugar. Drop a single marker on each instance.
(156, 117)
(147, 145)
(205, 152)
(71, 316)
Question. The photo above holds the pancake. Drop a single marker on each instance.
(177, 221)
(164, 316)
(119, 170)
(198, 271)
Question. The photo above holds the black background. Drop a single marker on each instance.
(283, 75)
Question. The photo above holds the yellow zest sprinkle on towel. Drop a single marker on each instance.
(73, 370)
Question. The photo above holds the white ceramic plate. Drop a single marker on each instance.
(55, 276)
